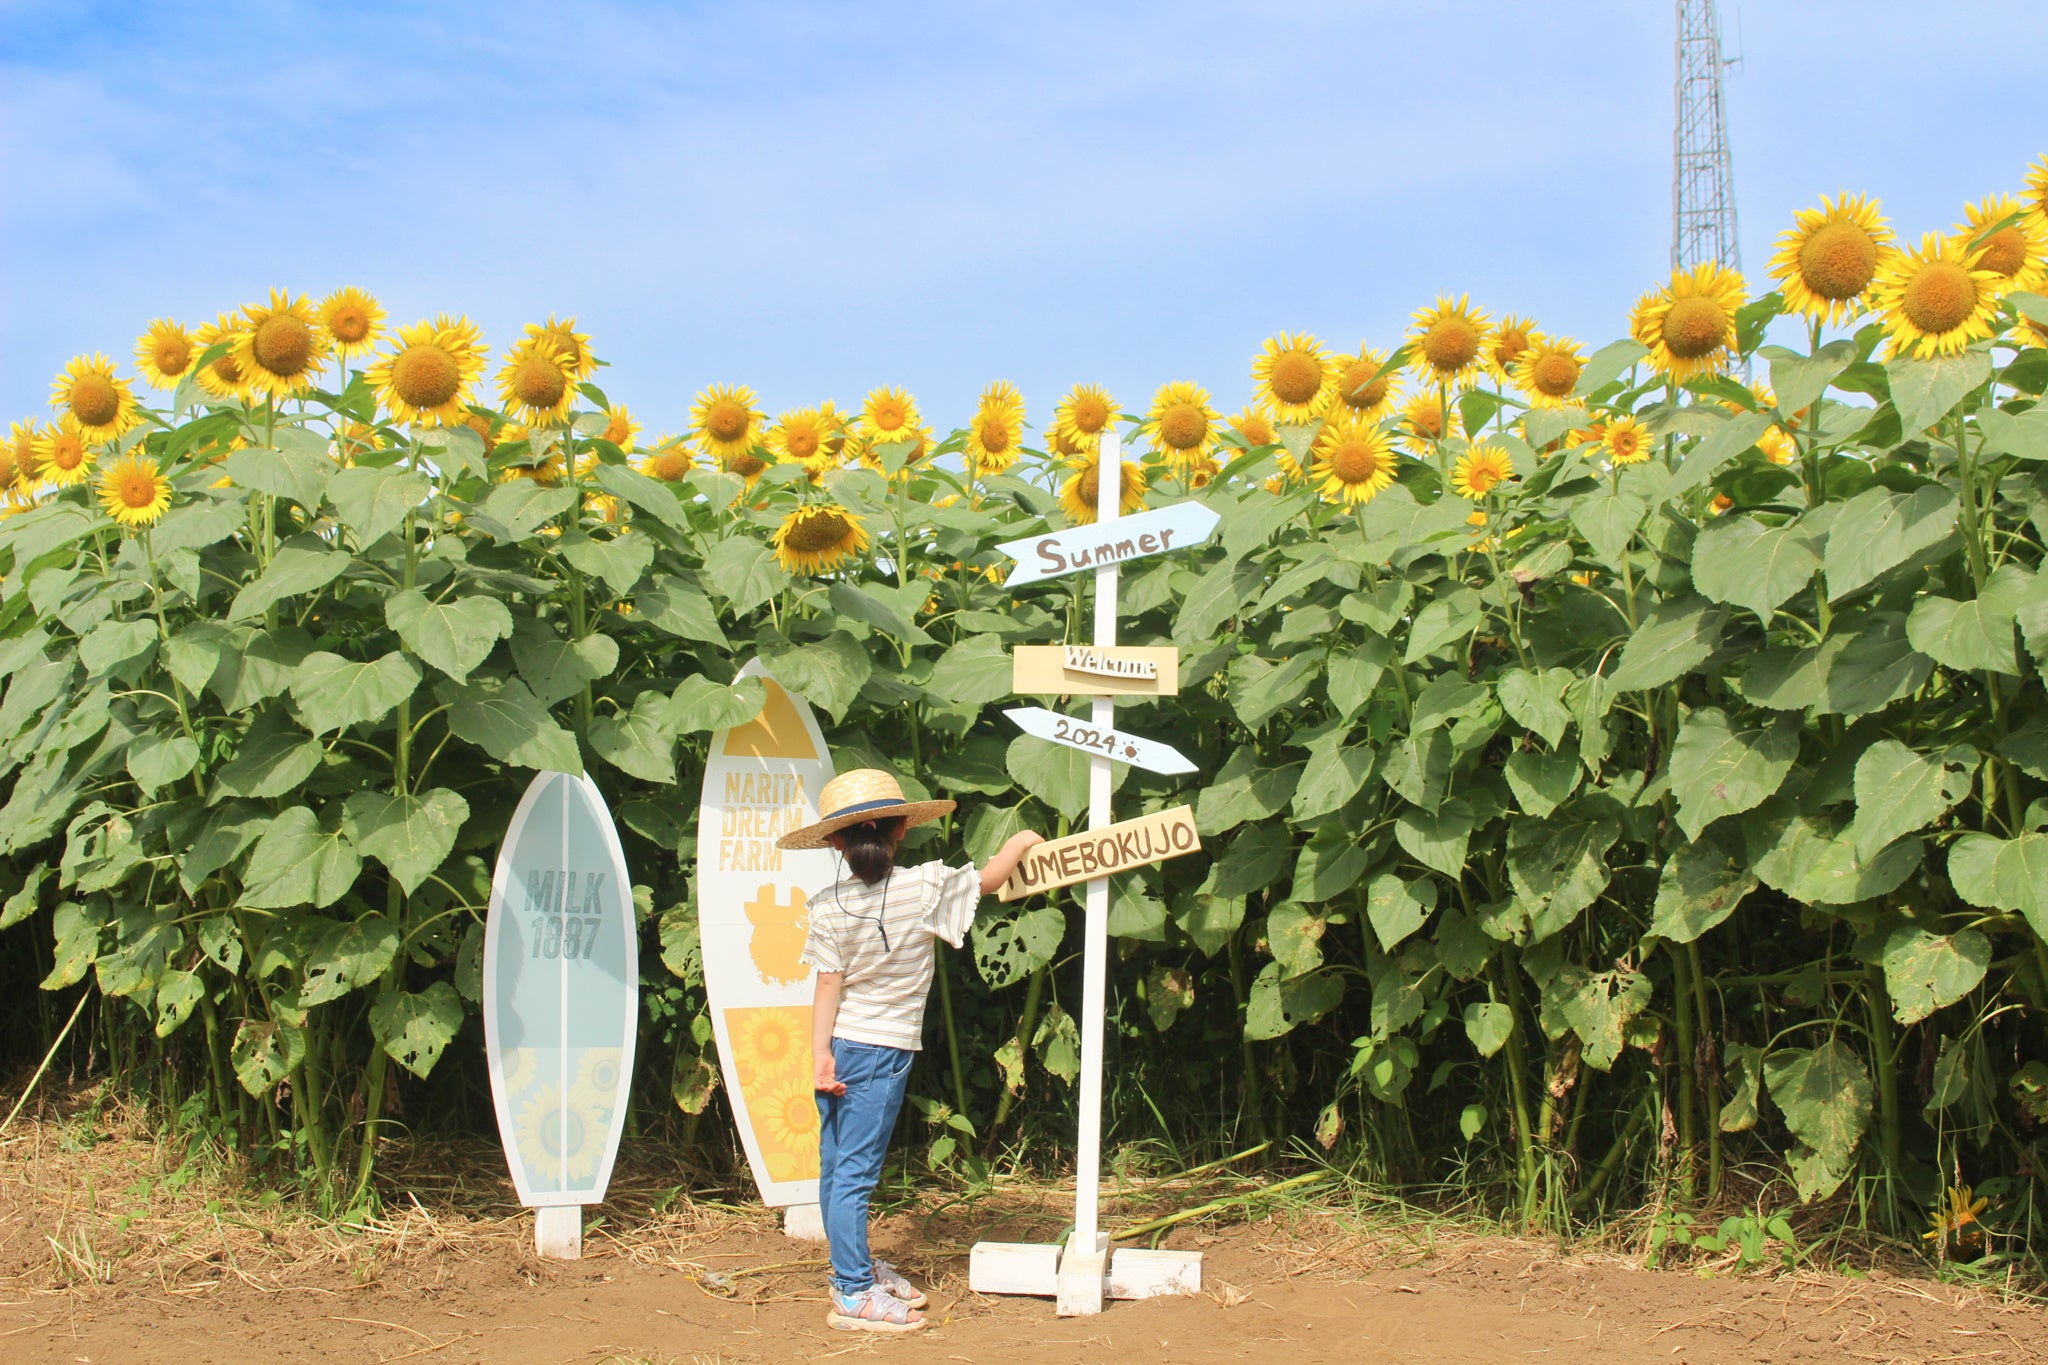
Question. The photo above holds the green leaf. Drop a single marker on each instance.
(334, 693)
(743, 571)
(682, 948)
(1925, 972)
(1875, 667)
(264, 1053)
(1705, 459)
(342, 956)
(1355, 673)
(701, 704)
(1974, 634)
(1278, 1005)
(411, 835)
(76, 930)
(1254, 860)
(194, 653)
(1702, 882)
(1608, 520)
(113, 643)
(1541, 782)
(973, 673)
(373, 502)
(1397, 908)
(415, 1028)
(641, 741)
(1559, 864)
(1745, 1072)
(503, 718)
(1825, 1097)
(864, 604)
(177, 995)
(1328, 865)
(1207, 918)
(518, 507)
(1742, 562)
(1925, 391)
(1608, 364)
(1054, 773)
(1535, 699)
(1899, 791)
(20, 905)
(1798, 379)
(1168, 993)
(454, 636)
(650, 495)
(1333, 776)
(1446, 698)
(1598, 1006)
(301, 565)
(1295, 935)
(1418, 767)
(221, 840)
(1879, 529)
(275, 759)
(1488, 1024)
(157, 760)
(676, 607)
(257, 665)
(300, 471)
(556, 668)
(619, 561)
(1245, 788)
(2003, 874)
(828, 674)
(1799, 857)
(1008, 950)
(1719, 770)
(297, 861)
(1259, 690)
(1135, 913)
(1436, 839)
(1444, 619)
(2024, 437)
(1677, 637)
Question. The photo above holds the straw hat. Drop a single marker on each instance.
(856, 797)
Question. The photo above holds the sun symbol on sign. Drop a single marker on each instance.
(1130, 751)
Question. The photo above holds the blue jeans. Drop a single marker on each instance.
(853, 1137)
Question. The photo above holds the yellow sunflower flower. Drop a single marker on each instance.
(1449, 340)
(534, 386)
(818, 539)
(725, 422)
(1364, 384)
(1625, 440)
(1081, 418)
(1181, 425)
(1934, 301)
(889, 415)
(18, 457)
(1254, 422)
(671, 461)
(94, 399)
(1293, 377)
(1828, 258)
(619, 427)
(223, 378)
(1353, 460)
(1778, 445)
(133, 493)
(798, 437)
(1084, 482)
(1480, 470)
(571, 347)
(995, 434)
(2017, 252)
(353, 439)
(2035, 194)
(1202, 472)
(1427, 419)
(1510, 337)
(62, 456)
(2032, 332)
(1549, 371)
(164, 353)
(281, 345)
(482, 422)
(426, 375)
(1689, 324)
(838, 430)
(354, 320)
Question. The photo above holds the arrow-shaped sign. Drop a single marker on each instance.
(1148, 754)
(1178, 526)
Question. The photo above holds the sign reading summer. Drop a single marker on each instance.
(1178, 526)
(1103, 852)
(561, 977)
(1148, 754)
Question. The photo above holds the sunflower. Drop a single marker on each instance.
(1353, 459)
(571, 347)
(2036, 194)
(818, 539)
(670, 460)
(1254, 423)
(1959, 1212)
(995, 433)
(619, 427)
(1625, 440)
(1549, 371)
(1294, 378)
(354, 438)
(2033, 332)
(726, 423)
(62, 456)
(1426, 419)
(1479, 470)
(798, 437)
(838, 428)
(1505, 343)
(281, 345)
(1933, 300)
(354, 320)
(1182, 425)
(790, 1121)
(1778, 445)
(1078, 494)
(1201, 473)
(560, 1145)
(426, 376)
(1449, 340)
(164, 353)
(133, 493)
(919, 439)
(223, 378)
(18, 457)
(1083, 415)
(94, 398)
(534, 386)
(766, 1042)
(2018, 252)
(1689, 324)
(889, 415)
(1363, 384)
(480, 421)
(1830, 255)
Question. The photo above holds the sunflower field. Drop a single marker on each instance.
(1623, 770)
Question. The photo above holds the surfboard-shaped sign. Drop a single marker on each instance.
(761, 781)
(561, 992)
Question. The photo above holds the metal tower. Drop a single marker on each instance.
(1702, 180)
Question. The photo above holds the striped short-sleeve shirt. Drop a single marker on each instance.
(880, 938)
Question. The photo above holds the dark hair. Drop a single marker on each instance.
(870, 847)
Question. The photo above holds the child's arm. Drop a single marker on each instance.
(998, 869)
(824, 1014)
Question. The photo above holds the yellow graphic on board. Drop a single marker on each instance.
(778, 938)
(778, 732)
(562, 1143)
(771, 1051)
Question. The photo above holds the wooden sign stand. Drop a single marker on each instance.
(1080, 1275)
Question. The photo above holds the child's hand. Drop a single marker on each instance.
(824, 1075)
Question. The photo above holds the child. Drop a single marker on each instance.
(871, 940)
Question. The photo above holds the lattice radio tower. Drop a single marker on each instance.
(1702, 180)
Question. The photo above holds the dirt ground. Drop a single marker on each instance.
(108, 1256)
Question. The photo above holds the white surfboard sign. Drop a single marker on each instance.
(762, 780)
(561, 985)
(1177, 526)
(1136, 750)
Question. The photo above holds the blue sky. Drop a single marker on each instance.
(815, 198)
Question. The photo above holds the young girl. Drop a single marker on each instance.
(871, 940)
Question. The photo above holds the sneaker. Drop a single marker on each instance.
(891, 1279)
(875, 1311)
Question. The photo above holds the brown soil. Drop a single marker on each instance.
(96, 1266)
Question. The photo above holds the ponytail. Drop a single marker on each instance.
(870, 847)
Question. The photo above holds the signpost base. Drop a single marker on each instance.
(1038, 1269)
(558, 1232)
(805, 1222)
(1084, 1271)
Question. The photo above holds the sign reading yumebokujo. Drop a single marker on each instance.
(1103, 852)
(761, 781)
(561, 995)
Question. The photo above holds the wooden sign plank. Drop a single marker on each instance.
(1177, 526)
(1096, 670)
(1101, 852)
(1136, 750)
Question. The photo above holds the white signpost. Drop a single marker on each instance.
(1082, 1273)
(561, 1002)
(1148, 754)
